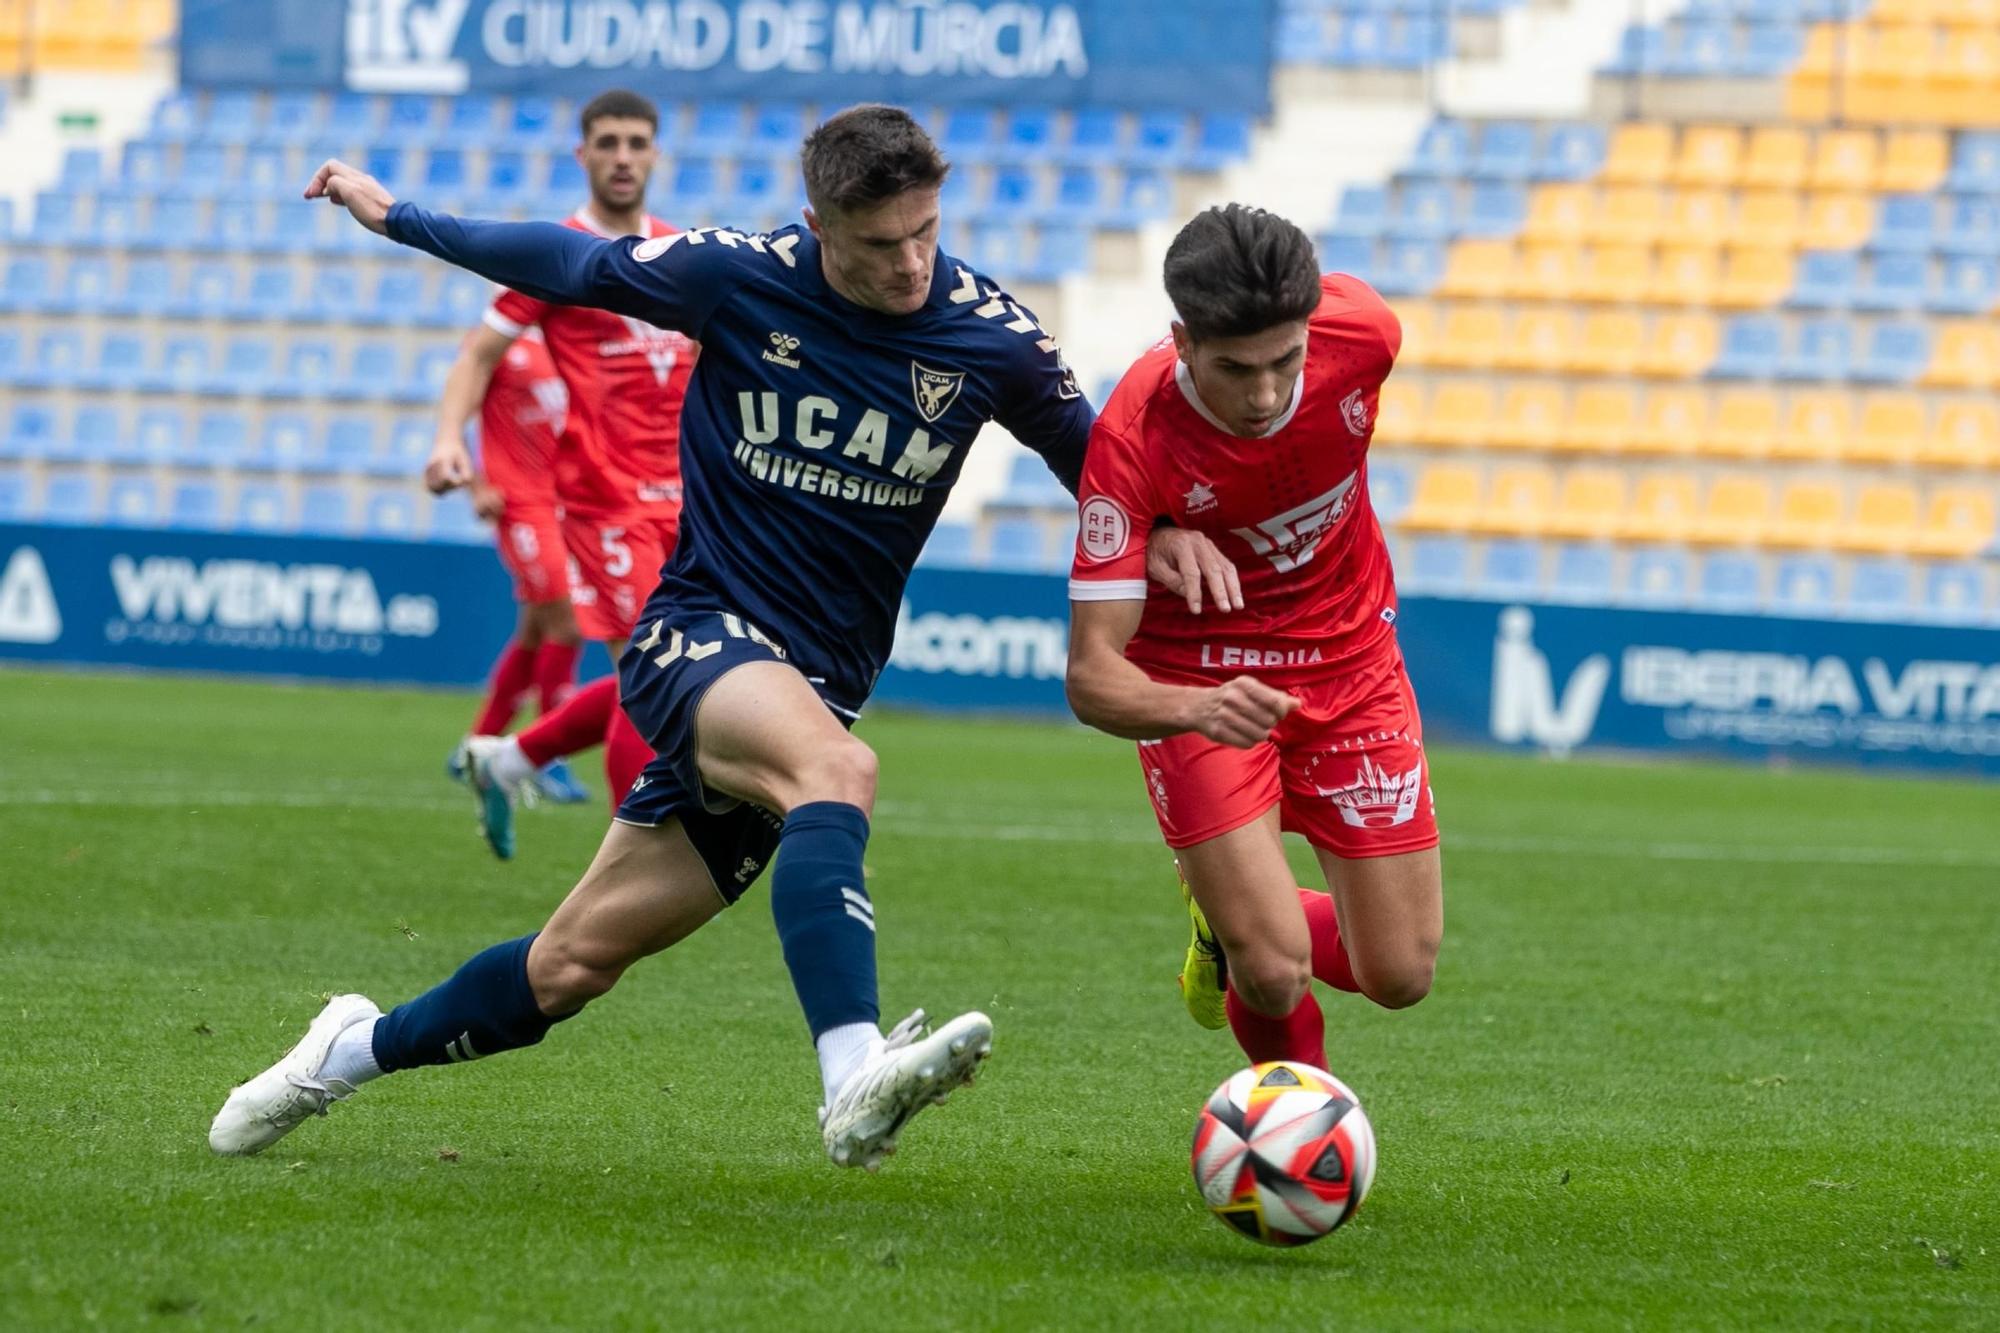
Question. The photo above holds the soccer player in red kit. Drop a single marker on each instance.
(617, 471)
(520, 420)
(1286, 708)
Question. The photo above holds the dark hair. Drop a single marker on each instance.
(866, 154)
(1237, 270)
(622, 103)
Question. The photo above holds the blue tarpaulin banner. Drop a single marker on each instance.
(1194, 54)
(1549, 678)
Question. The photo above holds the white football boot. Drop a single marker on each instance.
(492, 795)
(273, 1104)
(910, 1072)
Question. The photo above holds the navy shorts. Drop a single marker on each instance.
(662, 679)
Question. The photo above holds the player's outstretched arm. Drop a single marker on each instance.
(1107, 692)
(354, 190)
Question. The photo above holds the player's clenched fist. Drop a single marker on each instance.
(354, 190)
(1242, 712)
(449, 467)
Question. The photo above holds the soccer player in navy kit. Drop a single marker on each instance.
(846, 367)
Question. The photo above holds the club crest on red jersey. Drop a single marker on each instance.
(1354, 411)
(935, 390)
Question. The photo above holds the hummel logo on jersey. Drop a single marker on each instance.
(1377, 798)
(935, 390)
(1290, 538)
(1199, 499)
(747, 871)
(28, 611)
(1355, 413)
(780, 351)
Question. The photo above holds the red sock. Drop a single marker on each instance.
(1299, 1035)
(576, 724)
(1330, 963)
(555, 673)
(625, 753)
(513, 673)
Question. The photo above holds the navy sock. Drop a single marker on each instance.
(482, 1009)
(825, 920)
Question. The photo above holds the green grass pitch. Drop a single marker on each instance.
(1709, 1048)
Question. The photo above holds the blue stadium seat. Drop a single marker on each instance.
(158, 437)
(31, 433)
(1880, 588)
(1438, 565)
(1497, 210)
(1641, 50)
(57, 219)
(1301, 38)
(1822, 349)
(1972, 226)
(1583, 573)
(1144, 196)
(309, 368)
(566, 183)
(1898, 352)
(208, 292)
(510, 176)
(1444, 151)
(471, 120)
(1016, 543)
(270, 294)
(1364, 212)
(949, 544)
(183, 365)
(1895, 282)
(147, 289)
(1767, 50)
(132, 502)
(1975, 165)
(1965, 285)
(13, 495)
(267, 171)
(97, 435)
(1059, 252)
(293, 118)
(221, 440)
(1506, 151)
(1096, 136)
(287, 444)
(1012, 193)
(461, 300)
(58, 360)
(372, 367)
(205, 172)
(452, 520)
(409, 445)
(323, 511)
(116, 220)
(398, 291)
(1224, 139)
(1030, 484)
(352, 116)
(245, 368)
(333, 295)
(1956, 592)
(1407, 267)
(391, 514)
(717, 128)
(1751, 348)
(1029, 135)
(231, 117)
(120, 364)
(1804, 585)
(1657, 576)
(176, 224)
(144, 167)
(1827, 280)
(82, 169)
(1389, 488)
(970, 135)
(1160, 139)
(13, 360)
(765, 188)
(86, 287)
(69, 498)
(28, 285)
(1511, 568)
(1571, 152)
(195, 504)
(1905, 224)
(1079, 195)
(390, 164)
(175, 118)
(696, 182)
(777, 128)
(427, 375)
(350, 444)
(444, 169)
(1731, 582)
(260, 507)
(409, 118)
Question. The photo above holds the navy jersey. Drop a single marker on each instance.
(819, 439)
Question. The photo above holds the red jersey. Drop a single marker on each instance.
(1290, 508)
(627, 379)
(519, 422)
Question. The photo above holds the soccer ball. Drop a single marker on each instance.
(1283, 1153)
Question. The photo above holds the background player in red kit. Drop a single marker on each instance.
(617, 472)
(520, 420)
(1286, 709)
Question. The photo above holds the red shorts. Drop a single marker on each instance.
(531, 547)
(614, 565)
(1346, 770)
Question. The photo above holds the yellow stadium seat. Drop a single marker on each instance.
(1968, 70)
(1674, 424)
(1400, 411)
(1563, 213)
(1639, 154)
(1546, 273)
(1736, 512)
(1966, 355)
(1590, 505)
(1531, 417)
(1808, 516)
(1845, 160)
(1611, 343)
(1616, 273)
(1958, 523)
(1966, 435)
(1753, 279)
(1603, 419)
(1663, 509)
(1890, 431)
(1910, 11)
(1446, 500)
(1838, 221)
(1770, 218)
(1971, 13)
(1478, 268)
(1700, 217)
(1686, 275)
(1886, 79)
(1709, 155)
(1461, 415)
(1775, 158)
(1745, 424)
(1471, 336)
(1519, 502)
(1682, 346)
(1419, 320)
(1884, 520)
(1542, 338)
(1630, 215)
(1817, 425)
(1914, 161)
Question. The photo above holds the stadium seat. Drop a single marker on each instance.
(195, 504)
(1389, 489)
(1731, 582)
(1562, 213)
(1590, 506)
(1967, 356)
(1898, 351)
(1837, 221)
(1768, 220)
(132, 502)
(13, 495)
(1571, 152)
(950, 544)
(260, 507)
(1880, 589)
(96, 435)
(28, 284)
(1656, 576)
(452, 520)
(86, 288)
(1700, 218)
(69, 497)
(1540, 339)
(147, 289)
(1630, 215)
(1958, 523)
(371, 366)
(1639, 153)
(31, 432)
(349, 443)
(1808, 516)
(1897, 284)
(1890, 431)
(1016, 543)
(1160, 139)
(1708, 155)
(323, 511)
(1736, 512)
(1224, 139)
(1914, 159)
(1752, 348)
(1672, 422)
(1754, 278)
(1884, 521)
(391, 514)
(1818, 424)
(1446, 499)
(1956, 592)
(287, 444)
(1534, 273)
(207, 293)
(1506, 151)
(1827, 281)
(1966, 434)
(1775, 158)
(1585, 573)
(398, 291)
(1461, 415)
(1472, 336)
(1096, 136)
(1907, 224)
(1745, 425)
(245, 368)
(221, 440)
(1409, 268)
(120, 364)
(1532, 415)
(1437, 565)
(1822, 349)
(1497, 209)
(1803, 585)
(1965, 285)
(1512, 568)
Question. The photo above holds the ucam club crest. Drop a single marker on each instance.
(934, 390)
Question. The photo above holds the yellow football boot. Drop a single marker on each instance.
(1205, 973)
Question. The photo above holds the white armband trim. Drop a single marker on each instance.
(502, 325)
(1107, 590)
